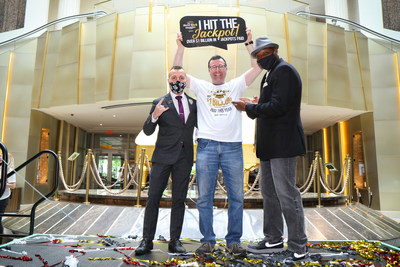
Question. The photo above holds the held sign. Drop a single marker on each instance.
(212, 31)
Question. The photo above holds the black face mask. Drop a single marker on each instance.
(267, 62)
(177, 87)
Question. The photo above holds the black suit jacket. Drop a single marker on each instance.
(173, 135)
(279, 128)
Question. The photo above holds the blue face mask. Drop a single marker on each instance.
(267, 62)
(177, 87)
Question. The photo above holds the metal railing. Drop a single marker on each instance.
(352, 23)
(3, 173)
(22, 36)
(33, 209)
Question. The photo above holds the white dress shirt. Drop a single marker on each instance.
(185, 104)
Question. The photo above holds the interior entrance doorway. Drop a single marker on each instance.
(111, 151)
(109, 164)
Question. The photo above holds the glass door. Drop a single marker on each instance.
(111, 151)
(117, 160)
(102, 166)
(109, 164)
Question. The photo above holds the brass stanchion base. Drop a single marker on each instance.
(138, 206)
(349, 201)
(87, 203)
(319, 206)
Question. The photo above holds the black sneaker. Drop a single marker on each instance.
(264, 247)
(236, 250)
(205, 248)
(288, 255)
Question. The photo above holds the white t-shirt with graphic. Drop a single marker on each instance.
(217, 118)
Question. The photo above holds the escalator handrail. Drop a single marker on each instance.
(33, 209)
(3, 173)
(350, 23)
(22, 36)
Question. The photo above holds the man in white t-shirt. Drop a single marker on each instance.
(219, 145)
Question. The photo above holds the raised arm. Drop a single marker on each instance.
(255, 70)
(178, 59)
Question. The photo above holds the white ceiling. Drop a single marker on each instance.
(96, 118)
(130, 118)
(315, 118)
(280, 6)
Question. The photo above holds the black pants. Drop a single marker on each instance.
(3, 206)
(159, 176)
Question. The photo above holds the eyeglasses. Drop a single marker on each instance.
(220, 67)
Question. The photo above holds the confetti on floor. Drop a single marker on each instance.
(60, 250)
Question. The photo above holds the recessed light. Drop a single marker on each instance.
(114, 116)
(101, 124)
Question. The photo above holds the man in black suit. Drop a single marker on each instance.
(280, 139)
(175, 114)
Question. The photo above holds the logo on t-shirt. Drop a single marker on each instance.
(219, 102)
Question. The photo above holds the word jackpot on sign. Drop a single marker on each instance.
(212, 31)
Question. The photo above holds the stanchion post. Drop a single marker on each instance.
(318, 161)
(315, 181)
(56, 197)
(350, 189)
(369, 197)
(139, 189)
(357, 195)
(88, 160)
(126, 166)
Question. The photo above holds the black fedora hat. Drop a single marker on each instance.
(262, 43)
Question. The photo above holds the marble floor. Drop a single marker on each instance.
(354, 222)
(61, 226)
(394, 215)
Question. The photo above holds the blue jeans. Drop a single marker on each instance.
(229, 156)
(281, 196)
